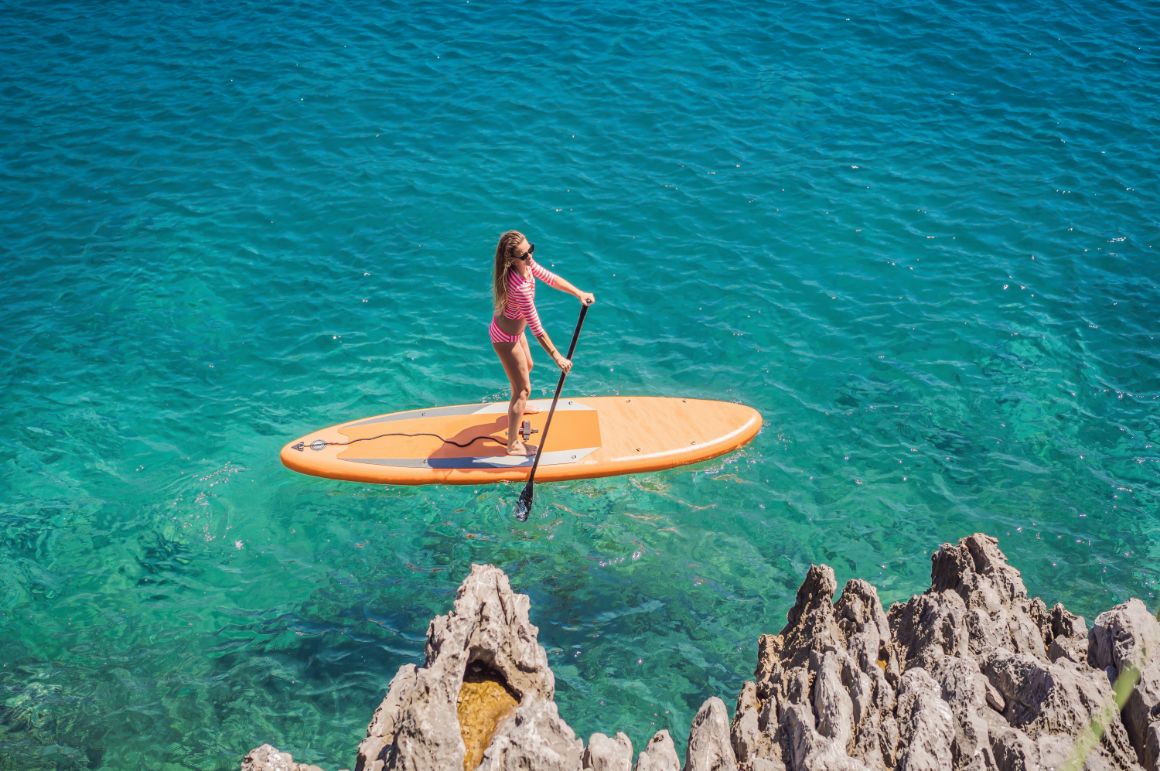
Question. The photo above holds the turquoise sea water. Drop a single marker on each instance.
(920, 237)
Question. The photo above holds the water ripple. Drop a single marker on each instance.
(920, 239)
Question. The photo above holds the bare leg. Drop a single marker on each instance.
(527, 349)
(516, 362)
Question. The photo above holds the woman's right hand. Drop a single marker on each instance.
(563, 364)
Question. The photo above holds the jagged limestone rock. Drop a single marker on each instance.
(1128, 637)
(534, 738)
(267, 758)
(487, 633)
(977, 616)
(823, 694)
(709, 748)
(605, 754)
(751, 734)
(971, 675)
(927, 721)
(660, 754)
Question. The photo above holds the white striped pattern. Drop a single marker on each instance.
(521, 296)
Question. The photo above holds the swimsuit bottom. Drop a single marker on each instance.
(497, 335)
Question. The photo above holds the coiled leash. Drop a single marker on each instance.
(317, 445)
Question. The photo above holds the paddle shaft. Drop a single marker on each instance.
(556, 398)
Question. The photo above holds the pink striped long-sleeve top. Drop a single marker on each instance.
(521, 296)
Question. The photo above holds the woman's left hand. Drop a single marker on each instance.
(587, 298)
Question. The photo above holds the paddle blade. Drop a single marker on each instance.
(524, 504)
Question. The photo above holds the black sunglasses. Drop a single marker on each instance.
(528, 253)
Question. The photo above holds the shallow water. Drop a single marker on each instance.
(920, 239)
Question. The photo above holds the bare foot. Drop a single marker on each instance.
(518, 448)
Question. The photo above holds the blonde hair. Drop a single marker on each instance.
(504, 258)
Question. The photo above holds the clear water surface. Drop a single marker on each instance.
(920, 237)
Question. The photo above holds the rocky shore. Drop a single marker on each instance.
(971, 674)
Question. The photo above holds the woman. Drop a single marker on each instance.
(514, 296)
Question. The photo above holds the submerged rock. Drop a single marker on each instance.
(971, 674)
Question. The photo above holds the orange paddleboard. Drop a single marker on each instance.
(465, 444)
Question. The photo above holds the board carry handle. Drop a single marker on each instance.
(524, 504)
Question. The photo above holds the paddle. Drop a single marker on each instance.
(524, 505)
